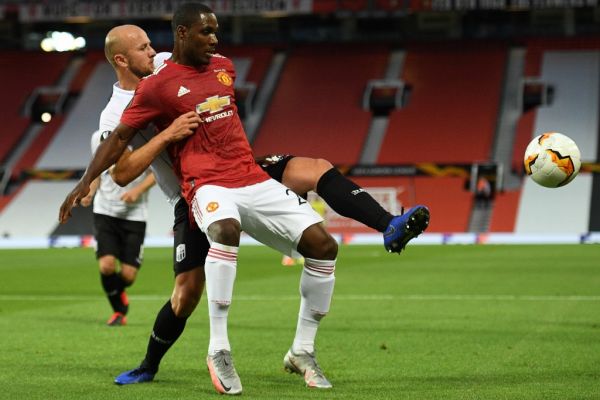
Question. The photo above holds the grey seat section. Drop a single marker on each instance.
(574, 112)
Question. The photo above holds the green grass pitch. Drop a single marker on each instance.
(437, 322)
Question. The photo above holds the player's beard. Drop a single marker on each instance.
(139, 72)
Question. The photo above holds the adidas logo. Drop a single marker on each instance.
(182, 91)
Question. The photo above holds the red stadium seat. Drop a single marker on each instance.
(316, 109)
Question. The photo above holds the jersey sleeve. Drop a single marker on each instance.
(143, 108)
(160, 58)
(231, 69)
(95, 141)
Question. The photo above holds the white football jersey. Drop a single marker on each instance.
(161, 166)
(108, 196)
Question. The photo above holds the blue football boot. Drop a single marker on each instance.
(405, 227)
(138, 375)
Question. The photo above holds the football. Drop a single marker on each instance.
(552, 159)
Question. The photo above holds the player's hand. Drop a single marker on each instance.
(86, 201)
(130, 196)
(79, 192)
(185, 125)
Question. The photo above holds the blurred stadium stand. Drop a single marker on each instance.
(476, 82)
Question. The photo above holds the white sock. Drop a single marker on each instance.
(220, 269)
(316, 289)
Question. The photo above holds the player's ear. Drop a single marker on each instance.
(120, 60)
(181, 32)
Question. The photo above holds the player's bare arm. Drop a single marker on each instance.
(106, 155)
(133, 163)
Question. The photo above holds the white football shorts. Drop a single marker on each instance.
(268, 211)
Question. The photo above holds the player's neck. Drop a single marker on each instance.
(178, 57)
(128, 81)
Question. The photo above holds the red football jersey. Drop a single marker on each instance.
(218, 153)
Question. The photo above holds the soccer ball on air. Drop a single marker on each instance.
(552, 159)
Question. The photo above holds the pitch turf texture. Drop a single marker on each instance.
(437, 322)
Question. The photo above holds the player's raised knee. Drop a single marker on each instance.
(322, 165)
(329, 248)
(317, 243)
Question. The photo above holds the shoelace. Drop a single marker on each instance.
(224, 364)
(314, 365)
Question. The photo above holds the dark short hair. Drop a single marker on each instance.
(188, 13)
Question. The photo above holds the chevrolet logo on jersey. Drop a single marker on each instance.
(213, 104)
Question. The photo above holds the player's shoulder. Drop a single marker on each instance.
(220, 60)
(219, 56)
(160, 73)
(119, 99)
(160, 58)
(110, 115)
(150, 83)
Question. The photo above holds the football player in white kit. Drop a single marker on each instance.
(119, 215)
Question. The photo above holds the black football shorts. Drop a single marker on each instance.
(274, 165)
(120, 238)
(191, 245)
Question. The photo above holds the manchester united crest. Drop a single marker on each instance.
(224, 78)
(212, 206)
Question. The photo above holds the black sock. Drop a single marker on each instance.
(350, 200)
(124, 282)
(113, 286)
(167, 329)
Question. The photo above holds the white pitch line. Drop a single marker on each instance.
(341, 297)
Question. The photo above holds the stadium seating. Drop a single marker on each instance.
(503, 217)
(31, 155)
(21, 74)
(316, 108)
(259, 56)
(572, 68)
(92, 58)
(65, 143)
(451, 118)
(316, 111)
(453, 108)
(328, 6)
(446, 198)
(523, 136)
(536, 49)
(70, 147)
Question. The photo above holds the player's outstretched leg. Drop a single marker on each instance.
(405, 227)
(350, 200)
(305, 364)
